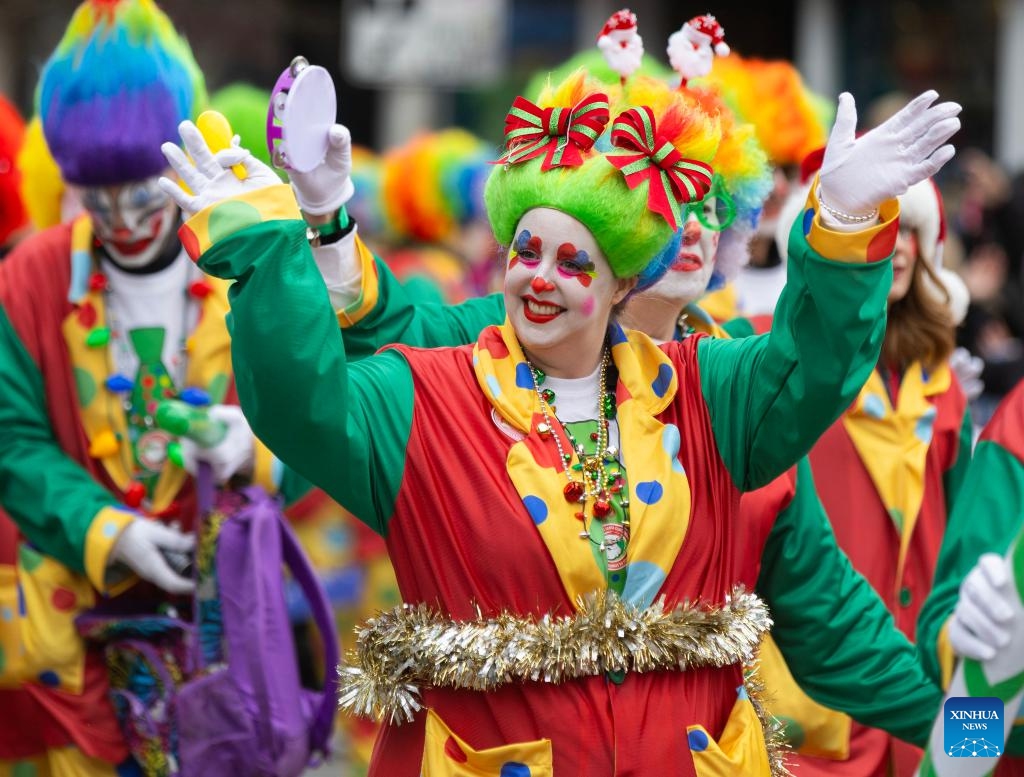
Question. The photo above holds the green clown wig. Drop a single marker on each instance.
(636, 241)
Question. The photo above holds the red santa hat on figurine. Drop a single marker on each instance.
(692, 48)
(621, 44)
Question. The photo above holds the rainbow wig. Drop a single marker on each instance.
(791, 121)
(12, 136)
(739, 162)
(592, 60)
(115, 88)
(365, 206)
(433, 184)
(636, 241)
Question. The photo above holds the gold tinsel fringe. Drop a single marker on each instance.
(412, 646)
(774, 731)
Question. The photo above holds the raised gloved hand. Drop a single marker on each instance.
(209, 175)
(968, 369)
(982, 620)
(234, 454)
(859, 174)
(327, 186)
(145, 545)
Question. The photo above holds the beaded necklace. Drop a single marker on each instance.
(596, 484)
(148, 447)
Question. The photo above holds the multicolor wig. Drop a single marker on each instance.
(636, 241)
(791, 121)
(739, 162)
(433, 184)
(116, 87)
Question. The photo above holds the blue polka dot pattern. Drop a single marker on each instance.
(6, 614)
(663, 381)
(514, 769)
(109, 529)
(698, 740)
(536, 508)
(524, 376)
(616, 335)
(874, 406)
(924, 427)
(493, 386)
(670, 441)
(643, 581)
(649, 492)
(49, 678)
(808, 220)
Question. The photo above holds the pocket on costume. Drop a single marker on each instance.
(445, 755)
(739, 752)
(810, 728)
(39, 601)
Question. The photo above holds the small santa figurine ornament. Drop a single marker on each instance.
(621, 45)
(692, 48)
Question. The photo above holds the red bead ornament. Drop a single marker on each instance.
(135, 494)
(200, 289)
(573, 491)
(97, 282)
(581, 516)
(602, 507)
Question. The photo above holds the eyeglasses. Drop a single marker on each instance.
(717, 210)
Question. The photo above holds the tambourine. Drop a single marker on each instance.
(303, 108)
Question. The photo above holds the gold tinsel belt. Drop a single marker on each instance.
(412, 646)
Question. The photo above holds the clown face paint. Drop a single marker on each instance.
(132, 220)
(903, 261)
(688, 276)
(559, 292)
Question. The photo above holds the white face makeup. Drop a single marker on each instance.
(903, 264)
(688, 277)
(559, 292)
(132, 220)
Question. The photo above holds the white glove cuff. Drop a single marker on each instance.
(330, 202)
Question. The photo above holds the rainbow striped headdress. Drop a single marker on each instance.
(116, 87)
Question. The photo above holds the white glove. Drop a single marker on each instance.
(327, 186)
(982, 621)
(233, 455)
(859, 174)
(209, 175)
(142, 547)
(968, 369)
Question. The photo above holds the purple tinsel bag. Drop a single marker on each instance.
(222, 695)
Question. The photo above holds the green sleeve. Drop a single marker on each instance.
(838, 638)
(770, 397)
(953, 478)
(344, 427)
(398, 318)
(51, 497)
(985, 519)
(739, 327)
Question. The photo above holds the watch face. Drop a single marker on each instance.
(151, 449)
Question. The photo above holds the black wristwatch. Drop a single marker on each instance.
(332, 231)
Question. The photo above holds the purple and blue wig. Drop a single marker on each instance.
(116, 87)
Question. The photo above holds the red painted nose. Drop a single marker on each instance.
(539, 285)
(691, 232)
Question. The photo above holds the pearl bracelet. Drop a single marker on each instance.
(846, 217)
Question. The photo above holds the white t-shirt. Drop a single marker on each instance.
(158, 299)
